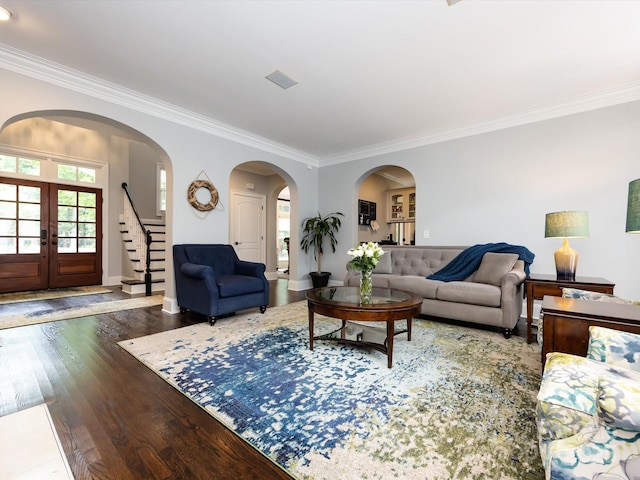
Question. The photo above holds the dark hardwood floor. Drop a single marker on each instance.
(115, 418)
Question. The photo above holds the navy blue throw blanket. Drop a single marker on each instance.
(469, 260)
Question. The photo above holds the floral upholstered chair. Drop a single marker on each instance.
(588, 410)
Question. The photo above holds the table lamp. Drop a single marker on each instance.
(633, 207)
(565, 225)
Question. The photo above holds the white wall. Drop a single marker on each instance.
(486, 188)
(143, 162)
(190, 151)
(497, 187)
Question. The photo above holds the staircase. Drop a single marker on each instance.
(136, 253)
(133, 231)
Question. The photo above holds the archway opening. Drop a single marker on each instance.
(387, 206)
(78, 141)
(276, 186)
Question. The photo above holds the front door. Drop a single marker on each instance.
(50, 235)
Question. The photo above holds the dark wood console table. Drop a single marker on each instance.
(566, 322)
(537, 286)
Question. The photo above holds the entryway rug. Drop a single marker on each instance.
(51, 315)
(459, 403)
(49, 294)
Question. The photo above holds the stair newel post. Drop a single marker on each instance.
(147, 274)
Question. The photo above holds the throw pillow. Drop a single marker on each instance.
(494, 267)
(619, 401)
(593, 296)
(614, 347)
(384, 264)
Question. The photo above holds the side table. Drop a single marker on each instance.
(538, 285)
(567, 322)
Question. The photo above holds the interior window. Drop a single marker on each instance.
(25, 166)
(72, 172)
(161, 189)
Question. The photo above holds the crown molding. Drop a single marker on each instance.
(41, 69)
(605, 98)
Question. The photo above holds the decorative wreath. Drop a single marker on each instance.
(191, 195)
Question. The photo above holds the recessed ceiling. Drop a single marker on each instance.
(374, 76)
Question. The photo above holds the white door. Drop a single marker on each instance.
(247, 226)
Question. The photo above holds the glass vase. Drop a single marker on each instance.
(366, 286)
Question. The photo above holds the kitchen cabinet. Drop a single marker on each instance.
(401, 205)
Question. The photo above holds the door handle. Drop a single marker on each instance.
(54, 243)
(238, 243)
(43, 243)
(43, 235)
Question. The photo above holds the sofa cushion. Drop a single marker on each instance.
(494, 267)
(384, 264)
(469, 292)
(415, 284)
(234, 285)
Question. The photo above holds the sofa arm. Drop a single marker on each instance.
(195, 271)
(352, 278)
(517, 275)
(512, 292)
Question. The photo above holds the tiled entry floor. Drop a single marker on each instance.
(30, 448)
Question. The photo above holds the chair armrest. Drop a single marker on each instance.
(193, 270)
(250, 269)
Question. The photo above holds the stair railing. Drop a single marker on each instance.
(141, 237)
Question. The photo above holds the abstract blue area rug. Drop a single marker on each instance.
(459, 403)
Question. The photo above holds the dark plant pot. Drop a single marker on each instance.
(320, 279)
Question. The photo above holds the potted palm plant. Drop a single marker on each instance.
(314, 232)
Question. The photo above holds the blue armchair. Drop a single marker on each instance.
(213, 281)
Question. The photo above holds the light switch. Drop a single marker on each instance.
(425, 234)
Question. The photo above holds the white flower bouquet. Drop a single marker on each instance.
(365, 256)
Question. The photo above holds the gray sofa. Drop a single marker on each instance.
(492, 295)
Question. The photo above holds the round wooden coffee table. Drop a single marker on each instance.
(387, 305)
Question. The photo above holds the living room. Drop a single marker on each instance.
(505, 181)
(490, 178)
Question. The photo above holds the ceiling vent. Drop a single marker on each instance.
(281, 79)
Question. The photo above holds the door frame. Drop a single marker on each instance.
(48, 174)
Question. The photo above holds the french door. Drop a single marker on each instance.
(50, 235)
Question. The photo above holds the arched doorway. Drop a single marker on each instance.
(387, 206)
(258, 178)
(82, 150)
